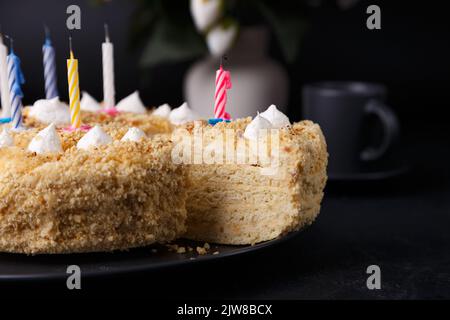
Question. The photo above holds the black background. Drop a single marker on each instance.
(410, 54)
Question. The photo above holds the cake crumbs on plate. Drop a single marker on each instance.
(176, 248)
(201, 250)
(172, 247)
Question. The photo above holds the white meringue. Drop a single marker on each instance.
(5, 139)
(252, 130)
(133, 134)
(182, 114)
(132, 103)
(88, 103)
(46, 141)
(94, 138)
(51, 111)
(162, 111)
(277, 118)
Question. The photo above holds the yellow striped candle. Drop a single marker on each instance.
(74, 90)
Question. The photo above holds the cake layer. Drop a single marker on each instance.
(245, 204)
(116, 196)
(146, 122)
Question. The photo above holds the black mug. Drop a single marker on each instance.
(345, 111)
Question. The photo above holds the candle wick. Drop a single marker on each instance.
(47, 35)
(106, 32)
(11, 43)
(70, 47)
(223, 59)
(47, 31)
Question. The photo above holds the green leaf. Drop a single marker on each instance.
(171, 42)
(141, 22)
(289, 28)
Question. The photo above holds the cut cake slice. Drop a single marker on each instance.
(246, 203)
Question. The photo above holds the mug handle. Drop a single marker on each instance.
(390, 130)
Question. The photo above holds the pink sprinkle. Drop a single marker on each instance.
(84, 128)
(110, 111)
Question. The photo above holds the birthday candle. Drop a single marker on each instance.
(51, 90)
(223, 83)
(108, 71)
(4, 87)
(15, 79)
(74, 89)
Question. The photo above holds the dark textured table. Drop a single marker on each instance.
(401, 225)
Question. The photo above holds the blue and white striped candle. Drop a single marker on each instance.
(15, 80)
(48, 52)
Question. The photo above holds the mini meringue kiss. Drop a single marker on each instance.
(46, 141)
(94, 138)
(277, 118)
(133, 134)
(258, 123)
(132, 103)
(5, 139)
(182, 114)
(162, 111)
(51, 111)
(88, 103)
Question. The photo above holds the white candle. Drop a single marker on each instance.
(4, 87)
(108, 72)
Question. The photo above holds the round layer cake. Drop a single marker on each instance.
(141, 194)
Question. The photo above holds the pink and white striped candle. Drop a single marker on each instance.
(223, 83)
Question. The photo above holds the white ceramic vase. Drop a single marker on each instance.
(257, 80)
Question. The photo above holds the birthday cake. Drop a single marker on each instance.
(96, 192)
(104, 190)
(89, 176)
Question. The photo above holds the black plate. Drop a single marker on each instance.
(369, 176)
(18, 267)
